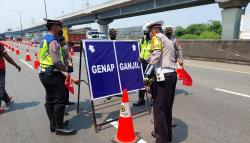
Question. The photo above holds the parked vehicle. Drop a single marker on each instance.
(95, 35)
(35, 40)
(18, 39)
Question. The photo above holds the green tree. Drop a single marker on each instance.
(179, 31)
(209, 35)
(210, 30)
(189, 36)
(215, 26)
(196, 29)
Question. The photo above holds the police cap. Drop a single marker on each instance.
(51, 22)
(157, 24)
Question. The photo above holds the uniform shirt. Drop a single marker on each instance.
(163, 52)
(2, 61)
(54, 50)
(66, 56)
(178, 48)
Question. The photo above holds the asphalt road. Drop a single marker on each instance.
(216, 109)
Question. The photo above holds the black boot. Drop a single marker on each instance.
(60, 131)
(70, 103)
(174, 124)
(50, 113)
(141, 100)
(59, 115)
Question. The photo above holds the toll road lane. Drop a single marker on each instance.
(26, 120)
(202, 113)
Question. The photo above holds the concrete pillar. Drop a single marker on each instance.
(104, 26)
(231, 18)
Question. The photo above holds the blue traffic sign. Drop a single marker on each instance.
(130, 69)
(102, 69)
(112, 66)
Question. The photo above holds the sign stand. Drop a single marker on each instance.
(92, 101)
(79, 78)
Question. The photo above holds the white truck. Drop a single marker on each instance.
(95, 35)
(245, 27)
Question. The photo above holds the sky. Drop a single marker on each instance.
(33, 12)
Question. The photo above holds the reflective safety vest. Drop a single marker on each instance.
(45, 57)
(145, 49)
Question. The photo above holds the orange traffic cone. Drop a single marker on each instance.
(36, 62)
(12, 49)
(72, 52)
(17, 51)
(125, 132)
(28, 58)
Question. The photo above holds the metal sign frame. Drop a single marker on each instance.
(82, 48)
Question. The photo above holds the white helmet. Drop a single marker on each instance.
(145, 27)
(169, 29)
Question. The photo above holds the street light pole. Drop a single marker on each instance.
(45, 7)
(20, 16)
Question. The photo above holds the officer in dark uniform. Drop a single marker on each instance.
(52, 73)
(145, 47)
(113, 34)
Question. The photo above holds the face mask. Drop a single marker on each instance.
(147, 37)
(169, 35)
(60, 33)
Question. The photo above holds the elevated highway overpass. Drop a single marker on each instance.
(106, 13)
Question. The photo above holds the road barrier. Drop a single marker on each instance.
(229, 51)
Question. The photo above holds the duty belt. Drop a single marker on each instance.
(41, 69)
(167, 70)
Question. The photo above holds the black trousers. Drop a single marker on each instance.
(56, 97)
(3, 94)
(67, 91)
(142, 92)
(163, 104)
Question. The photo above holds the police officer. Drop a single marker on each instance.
(162, 62)
(52, 73)
(68, 61)
(145, 46)
(178, 49)
(112, 34)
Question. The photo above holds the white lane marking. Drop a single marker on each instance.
(77, 57)
(26, 63)
(231, 92)
(115, 124)
(141, 141)
(219, 69)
